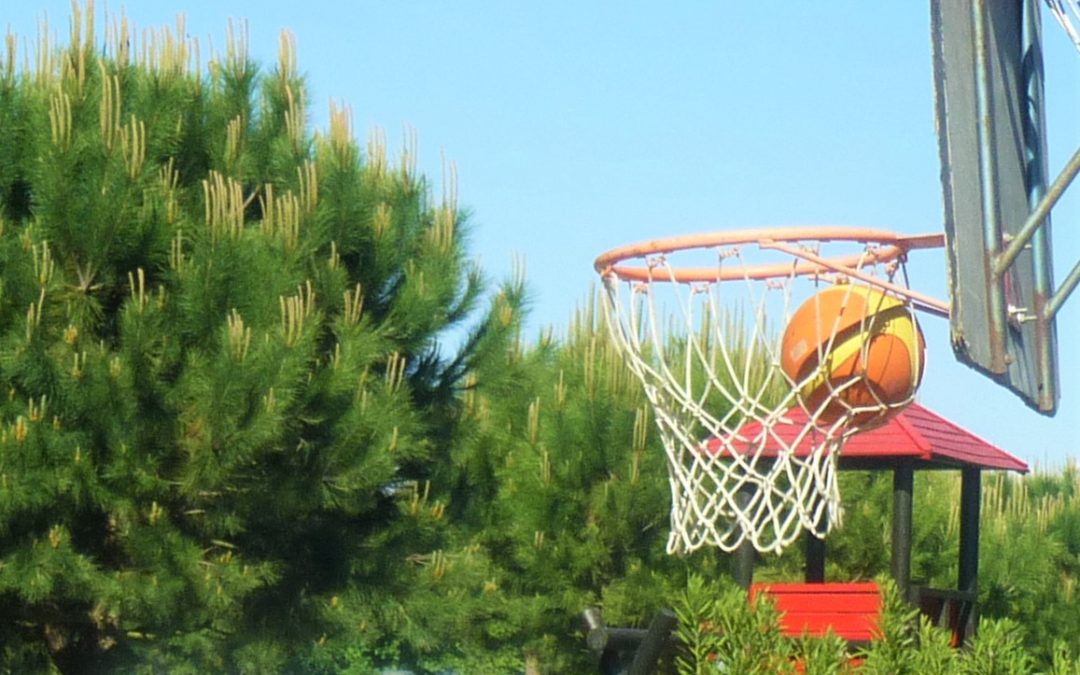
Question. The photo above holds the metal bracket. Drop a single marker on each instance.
(920, 300)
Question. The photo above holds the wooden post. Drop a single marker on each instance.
(743, 564)
(815, 558)
(903, 484)
(743, 567)
(968, 575)
(970, 496)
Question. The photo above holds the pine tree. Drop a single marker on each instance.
(221, 384)
(558, 489)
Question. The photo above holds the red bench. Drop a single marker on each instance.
(851, 611)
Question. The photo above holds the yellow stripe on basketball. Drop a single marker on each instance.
(853, 347)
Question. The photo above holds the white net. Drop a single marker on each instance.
(752, 453)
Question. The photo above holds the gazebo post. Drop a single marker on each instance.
(903, 484)
(970, 497)
(815, 558)
(967, 577)
(743, 568)
(743, 564)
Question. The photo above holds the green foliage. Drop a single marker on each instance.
(557, 487)
(1031, 556)
(557, 477)
(908, 642)
(997, 649)
(1063, 662)
(221, 385)
(719, 628)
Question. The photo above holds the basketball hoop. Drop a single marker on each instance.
(700, 322)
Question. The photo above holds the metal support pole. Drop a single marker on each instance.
(919, 300)
(903, 485)
(815, 558)
(1038, 214)
(1063, 292)
(1032, 113)
(1042, 198)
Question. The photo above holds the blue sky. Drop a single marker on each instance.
(576, 127)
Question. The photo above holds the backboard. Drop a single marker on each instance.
(988, 81)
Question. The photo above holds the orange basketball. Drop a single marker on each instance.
(852, 347)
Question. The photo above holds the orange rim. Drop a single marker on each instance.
(891, 246)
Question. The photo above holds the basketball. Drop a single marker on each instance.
(853, 349)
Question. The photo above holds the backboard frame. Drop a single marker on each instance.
(988, 81)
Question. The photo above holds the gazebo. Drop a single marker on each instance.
(915, 439)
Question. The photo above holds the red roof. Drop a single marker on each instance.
(916, 434)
